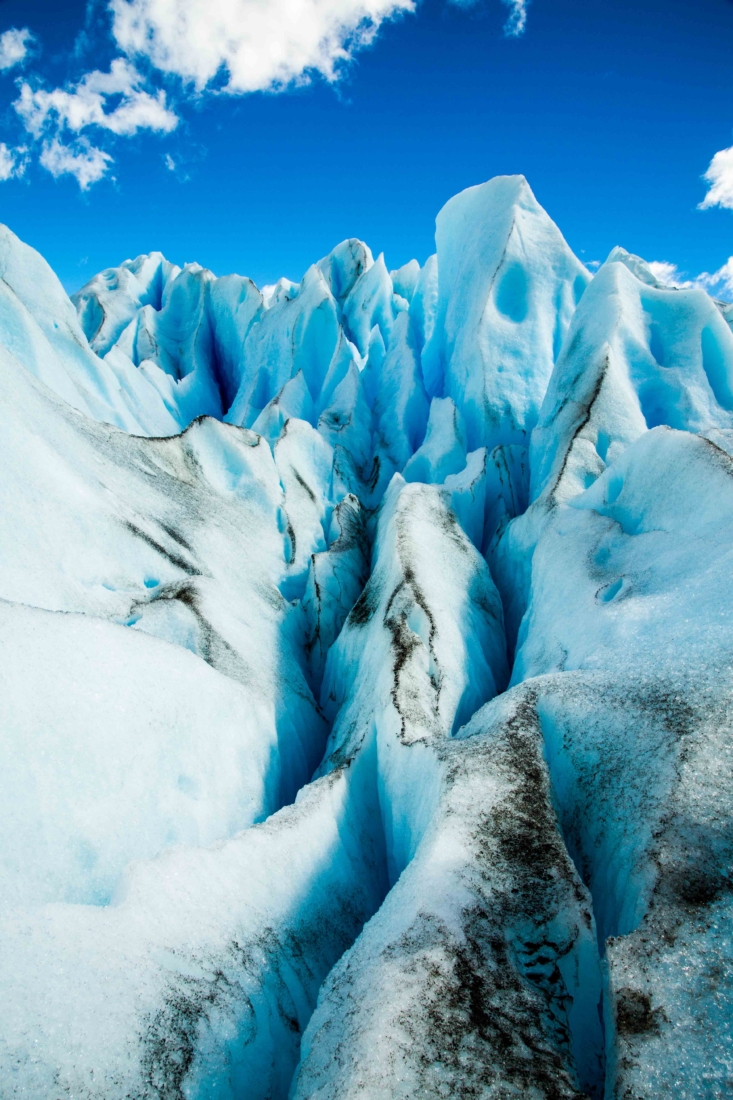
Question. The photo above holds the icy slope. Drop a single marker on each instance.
(366, 653)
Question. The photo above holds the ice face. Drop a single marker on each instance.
(366, 676)
(507, 288)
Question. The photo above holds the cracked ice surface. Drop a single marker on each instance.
(366, 674)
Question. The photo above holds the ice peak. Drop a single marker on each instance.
(638, 267)
(344, 264)
(507, 283)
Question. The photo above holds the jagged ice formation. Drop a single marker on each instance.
(367, 659)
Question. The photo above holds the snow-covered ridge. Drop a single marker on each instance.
(366, 676)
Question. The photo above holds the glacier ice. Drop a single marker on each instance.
(367, 659)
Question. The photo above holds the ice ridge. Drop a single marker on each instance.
(366, 676)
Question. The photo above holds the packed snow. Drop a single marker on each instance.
(367, 657)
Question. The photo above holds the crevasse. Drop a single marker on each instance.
(366, 676)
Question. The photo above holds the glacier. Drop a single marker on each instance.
(366, 679)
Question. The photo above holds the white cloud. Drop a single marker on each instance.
(259, 44)
(13, 162)
(175, 165)
(517, 20)
(86, 104)
(7, 162)
(720, 177)
(14, 47)
(718, 283)
(668, 274)
(86, 163)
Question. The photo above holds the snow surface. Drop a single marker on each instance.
(366, 665)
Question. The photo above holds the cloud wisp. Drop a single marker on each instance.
(83, 161)
(14, 47)
(720, 178)
(13, 162)
(86, 104)
(719, 284)
(516, 23)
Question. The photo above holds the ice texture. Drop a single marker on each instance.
(367, 657)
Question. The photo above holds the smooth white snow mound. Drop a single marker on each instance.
(115, 746)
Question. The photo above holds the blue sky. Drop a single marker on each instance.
(613, 109)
